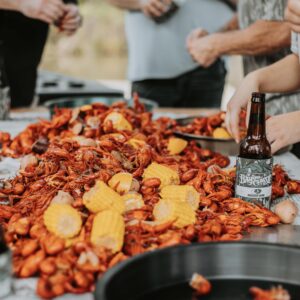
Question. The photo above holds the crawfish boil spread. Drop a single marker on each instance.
(99, 184)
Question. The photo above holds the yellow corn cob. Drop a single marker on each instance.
(108, 230)
(102, 197)
(183, 193)
(176, 145)
(121, 182)
(166, 175)
(221, 133)
(181, 212)
(63, 220)
(119, 122)
(135, 143)
(133, 200)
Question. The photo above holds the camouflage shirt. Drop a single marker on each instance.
(271, 10)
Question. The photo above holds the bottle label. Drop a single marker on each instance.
(254, 180)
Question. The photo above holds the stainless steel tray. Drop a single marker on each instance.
(232, 268)
(224, 146)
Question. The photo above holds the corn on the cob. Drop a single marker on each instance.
(121, 182)
(108, 230)
(183, 193)
(133, 200)
(102, 197)
(166, 175)
(118, 121)
(181, 212)
(176, 145)
(135, 143)
(221, 133)
(63, 220)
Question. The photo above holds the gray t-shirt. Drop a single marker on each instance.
(251, 11)
(271, 10)
(159, 51)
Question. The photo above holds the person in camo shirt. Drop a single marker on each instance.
(280, 77)
(260, 36)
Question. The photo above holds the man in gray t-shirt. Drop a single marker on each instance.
(160, 66)
(261, 37)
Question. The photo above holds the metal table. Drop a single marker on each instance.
(281, 234)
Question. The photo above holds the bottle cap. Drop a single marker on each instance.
(260, 96)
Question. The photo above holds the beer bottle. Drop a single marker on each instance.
(254, 163)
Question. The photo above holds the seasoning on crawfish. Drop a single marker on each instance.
(77, 164)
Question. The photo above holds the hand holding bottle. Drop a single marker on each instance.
(155, 8)
(240, 100)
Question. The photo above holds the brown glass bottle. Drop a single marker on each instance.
(254, 163)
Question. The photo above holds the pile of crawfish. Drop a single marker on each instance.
(205, 126)
(76, 148)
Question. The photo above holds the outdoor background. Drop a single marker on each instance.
(98, 50)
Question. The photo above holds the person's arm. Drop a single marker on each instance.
(282, 76)
(292, 14)
(262, 37)
(45, 10)
(196, 37)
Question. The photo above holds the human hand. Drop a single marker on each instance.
(240, 100)
(283, 130)
(47, 11)
(71, 21)
(195, 34)
(202, 47)
(292, 14)
(155, 8)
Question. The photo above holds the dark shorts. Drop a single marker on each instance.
(202, 87)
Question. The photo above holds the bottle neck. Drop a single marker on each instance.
(257, 121)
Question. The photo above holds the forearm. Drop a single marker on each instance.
(10, 4)
(280, 77)
(262, 37)
(126, 4)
